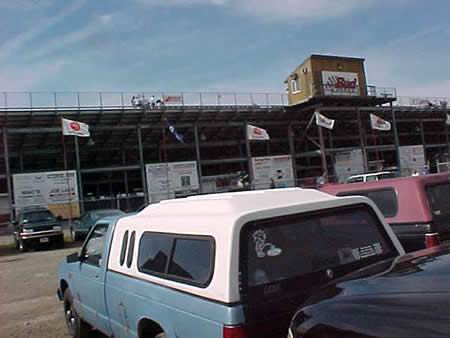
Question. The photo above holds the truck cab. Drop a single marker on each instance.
(226, 265)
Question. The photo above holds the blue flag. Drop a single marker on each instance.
(174, 132)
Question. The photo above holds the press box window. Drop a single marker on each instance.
(185, 259)
(295, 85)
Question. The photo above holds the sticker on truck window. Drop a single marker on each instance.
(349, 255)
(263, 248)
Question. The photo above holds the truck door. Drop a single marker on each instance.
(91, 281)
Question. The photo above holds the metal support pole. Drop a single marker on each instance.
(249, 155)
(361, 140)
(55, 101)
(125, 180)
(8, 173)
(80, 182)
(31, 100)
(21, 167)
(422, 138)
(396, 140)
(197, 153)
(323, 155)
(446, 133)
(292, 151)
(141, 163)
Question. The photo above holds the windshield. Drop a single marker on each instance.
(38, 216)
(439, 198)
(286, 247)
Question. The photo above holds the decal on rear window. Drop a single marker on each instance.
(348, 255)
(262, 248)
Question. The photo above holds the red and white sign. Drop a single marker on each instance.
(378, 123)
(340, 83)
(257, 134)
(173, 99)
(75, 128)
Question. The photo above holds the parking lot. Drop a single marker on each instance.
(28, 303)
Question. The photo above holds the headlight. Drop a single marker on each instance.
(57, 228)
(290, 335)
(27, 231)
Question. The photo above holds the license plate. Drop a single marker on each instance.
(43, 240)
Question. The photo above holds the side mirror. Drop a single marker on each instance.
(59, 218)
(14, 222)
(73, 258)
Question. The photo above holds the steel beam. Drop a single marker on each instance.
(142, 165)
(8, 173)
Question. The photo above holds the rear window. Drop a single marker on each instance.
(355, 179)
(187, 259)
(439, 198)
(385, 199)
(292, 246)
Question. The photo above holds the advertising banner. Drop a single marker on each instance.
(412, 158)
(348, 163)
(166, 180)
(55, 190)
(340, 83)
(273, 172)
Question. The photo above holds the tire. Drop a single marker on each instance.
(16, 243)
(161, 335)
(76, 326)
(60, 243)
(22, 246)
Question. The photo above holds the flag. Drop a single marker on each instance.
(378, 123)
(324, 121)
(448, 119)
(258, 134)
(174, 132)
(75, 128)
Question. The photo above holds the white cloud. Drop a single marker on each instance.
(14, 44)
(277, 9)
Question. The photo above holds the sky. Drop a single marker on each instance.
(218, 45)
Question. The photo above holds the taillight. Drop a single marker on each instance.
(432, 240)
(234, 332)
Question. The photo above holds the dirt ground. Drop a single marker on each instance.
(28, 303)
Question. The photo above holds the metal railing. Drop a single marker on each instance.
(372, 91)
(122, 100)
(421, 102)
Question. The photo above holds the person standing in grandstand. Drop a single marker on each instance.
(152, 101)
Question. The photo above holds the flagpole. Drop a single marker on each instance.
(249, 154)
(67, 179)
(323, 155)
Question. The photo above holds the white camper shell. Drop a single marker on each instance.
(222, 217)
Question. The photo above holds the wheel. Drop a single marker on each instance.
(161, 335)
(76, 326)
(16, 242)
(60, 243)
(22, 246)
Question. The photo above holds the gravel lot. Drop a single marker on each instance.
(28, 303)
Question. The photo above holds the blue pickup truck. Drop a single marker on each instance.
(233, 265)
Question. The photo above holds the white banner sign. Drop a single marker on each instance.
(412, 157)
(164, 180)
(55, 190)
(340, 83)
(273, 172)
(348, 163)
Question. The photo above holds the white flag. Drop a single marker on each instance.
(378, 123)
(448, 119)
(324, 121)
(75, 128)
(255, 133)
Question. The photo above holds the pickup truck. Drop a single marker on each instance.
(234, 265)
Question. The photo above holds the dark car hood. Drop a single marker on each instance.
(40, 224)
(423, 271)
(406, 297)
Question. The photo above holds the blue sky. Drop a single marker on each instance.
(212, 45)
